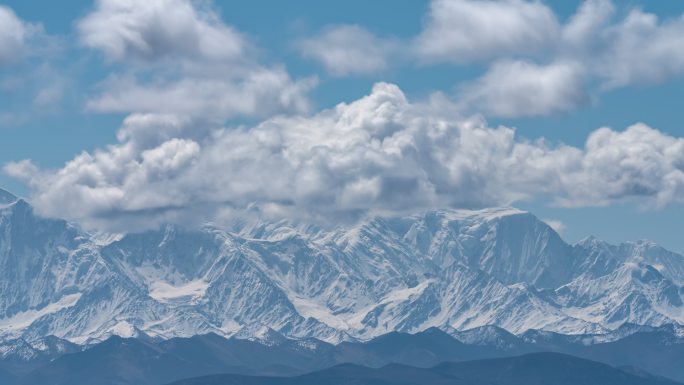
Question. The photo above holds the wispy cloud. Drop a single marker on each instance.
(13, 35)
(349, 49)
(557, 225)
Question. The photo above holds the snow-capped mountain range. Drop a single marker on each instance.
(451, 269)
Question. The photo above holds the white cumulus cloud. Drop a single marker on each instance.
(519, 88)
(527, 49)
(13, 33)
(381, 153)
(590, 19)
(157, 29)
(460, 31)
(178, 56)
(259, 92)
(20, 39)
(641, 49)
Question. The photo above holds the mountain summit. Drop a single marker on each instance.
(6, 197)
(449, 269)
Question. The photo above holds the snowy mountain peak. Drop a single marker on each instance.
(262, 334)
(6, 197)
(268, 281)
(590, 240)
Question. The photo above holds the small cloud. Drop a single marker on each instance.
(49, 96)
(348, 50)
(20, 39)
(556, 225)
(462, 31)
(514, 89)
(156, 29)
(13, 33)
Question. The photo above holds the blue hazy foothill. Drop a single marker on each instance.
(429, 357)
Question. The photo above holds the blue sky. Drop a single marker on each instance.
(74, 77)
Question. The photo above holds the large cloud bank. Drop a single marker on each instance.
(377, 154)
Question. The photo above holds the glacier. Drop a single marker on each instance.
(455, 270)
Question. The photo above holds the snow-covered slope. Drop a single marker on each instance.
(451, 269)
(6, 197)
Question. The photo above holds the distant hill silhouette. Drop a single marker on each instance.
(531, 369)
